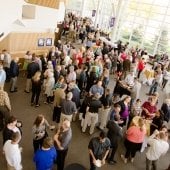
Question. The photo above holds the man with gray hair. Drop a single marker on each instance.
(76, 93)
(62, 140)
(68, 108)
(72, 75)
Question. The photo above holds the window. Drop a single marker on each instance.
(149, 21)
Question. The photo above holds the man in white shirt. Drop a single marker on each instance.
(72, 75)
(6, 63)
(136, 89)
(158, 147)
(13, 152)
(2, 75)
(66, 58)
(129, 80)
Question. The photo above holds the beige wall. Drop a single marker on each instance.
(46, 3)
(22, 42)
(4, 44)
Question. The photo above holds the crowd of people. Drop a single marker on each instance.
(75, 80)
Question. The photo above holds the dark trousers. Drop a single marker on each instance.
(113, 151)
(1, 121)
(139, 72)
(35, 95)
(125, 122)
(131, 148)
(105, 82)
(164, 82)
(56, 114)
(37, 144)
(153, 88)
(7, 70)
(49, 99)
(129, 122)
(61, 155)
(151, 165)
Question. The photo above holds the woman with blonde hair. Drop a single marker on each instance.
(36, 88)
(134, 139)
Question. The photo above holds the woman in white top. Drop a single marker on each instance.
(49, 84)
(49, 70)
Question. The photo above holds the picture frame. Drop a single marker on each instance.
(48, 41)
(41, 42)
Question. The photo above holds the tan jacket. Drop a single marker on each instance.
(59, 94)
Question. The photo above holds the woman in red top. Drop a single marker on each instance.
(140, 66)
(123, 56)
(134, 139)
(79, 57)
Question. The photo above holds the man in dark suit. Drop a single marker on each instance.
(57, 72)
(114, 133)
(32, 68)
(44, 61)
(14, 72)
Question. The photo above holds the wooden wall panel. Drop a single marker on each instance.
(4, 44)
(46, 3)
(22, 42)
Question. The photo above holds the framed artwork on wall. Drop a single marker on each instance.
(48, 42)
(41, 42)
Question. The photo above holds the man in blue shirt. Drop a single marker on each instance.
(44, 158)
(97, 88)
(115, 111)
(14, 73)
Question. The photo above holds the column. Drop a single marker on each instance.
(123, 12)
(82, 8)
(97, 13)
(117, 18)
